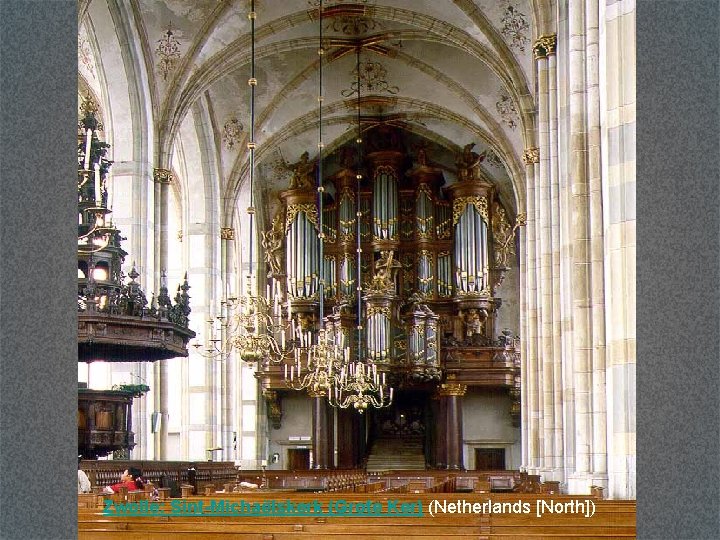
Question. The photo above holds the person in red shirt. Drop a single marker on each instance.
(131, 479)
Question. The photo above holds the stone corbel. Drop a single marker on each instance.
(274, 408)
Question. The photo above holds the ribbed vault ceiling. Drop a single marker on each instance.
(454, 71)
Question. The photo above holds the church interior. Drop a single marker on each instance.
(327, 243)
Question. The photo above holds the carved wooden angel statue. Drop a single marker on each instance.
(347, 158)
(386, 269)
(272, 241)
(421, 158)
(474, 319)
(303, 177)
(503, 236)
(468, 163)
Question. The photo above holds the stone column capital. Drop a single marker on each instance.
(531, 155)
(227, 233)
(452, 389)
(544, 46)
(162, 176)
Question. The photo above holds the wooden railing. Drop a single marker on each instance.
(195, 473)
(216, 476)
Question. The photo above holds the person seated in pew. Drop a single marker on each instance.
(131, 479)
(83, 480)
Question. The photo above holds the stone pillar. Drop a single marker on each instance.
(321, 431)
(132, 198)
(617, 48)
(545, 296)
(548, 234)
(579, 480)
(530, 379)
(566, 238)
(451, 393)
(162, 179)
(598, 458)
(558, 434)
(227, 369)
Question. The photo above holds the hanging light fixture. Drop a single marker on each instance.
(95, 230)
(359, 384)
(323, 358)
(324, 363)
(214, 347)
(255, 325)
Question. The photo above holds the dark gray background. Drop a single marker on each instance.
(677, 256)
(38, 269)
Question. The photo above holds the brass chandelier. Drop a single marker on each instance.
(254, 325)
(344, 376)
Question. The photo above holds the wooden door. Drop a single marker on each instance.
(298, 459)
(489, 459)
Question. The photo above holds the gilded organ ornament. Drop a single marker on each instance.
(274, 407)
(383, 311)
(272, 241)
(478, 201)
(309, 209)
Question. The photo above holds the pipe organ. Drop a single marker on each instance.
(301, 241)
(432, 255)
